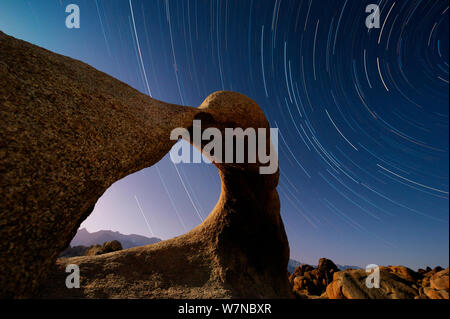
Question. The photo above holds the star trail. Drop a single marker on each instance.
(362, 113)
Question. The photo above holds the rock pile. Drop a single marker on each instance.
(107, 247)
(67, 132)
(307, 280)
(396, 282)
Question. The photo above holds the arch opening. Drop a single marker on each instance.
(154, 204)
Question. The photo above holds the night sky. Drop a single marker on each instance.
(362, 114)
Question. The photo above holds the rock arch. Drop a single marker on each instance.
(67, 132)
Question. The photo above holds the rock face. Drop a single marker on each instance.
(431, 293)
(427, 274)
(307, 280)
(440, 280)
(67, 132)
(106, 247)
(403, 272)
(396, 282)
(435, 284)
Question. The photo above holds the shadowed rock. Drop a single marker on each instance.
(396, 282)
(435, 284)
(107, 247)
(67, 132)
(403, 272)
(309, 281)
(440, 280)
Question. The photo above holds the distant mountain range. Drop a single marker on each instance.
(294, 264)
(85, 238)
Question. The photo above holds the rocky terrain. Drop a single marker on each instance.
(293, 264)
(396, 282)
(307, 280)
(106, 247)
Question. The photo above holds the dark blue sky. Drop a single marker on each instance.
(362, 115)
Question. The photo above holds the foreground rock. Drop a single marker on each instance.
(67, 132)
(396, 282)
(435, 285)
(440, 280)
(351, 284)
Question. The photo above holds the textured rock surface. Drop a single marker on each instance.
(427, 274)
(403, 272)
(108, 247)
(440, 280)
(435, 284)
(431, 293)
(67, 132)
(397, 282)
(309, 281)
(351, 284)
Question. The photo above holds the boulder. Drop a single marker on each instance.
(327, 267)
(351, 284)
(440, 280)
(107, 247)
(431, 293)
(425, 281)
(307, 280)
(67, 132)
(403, 272)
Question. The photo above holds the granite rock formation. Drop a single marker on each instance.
(67, 132)
(396, 282)
(427, 274)
(309, 281)
(435, 284)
